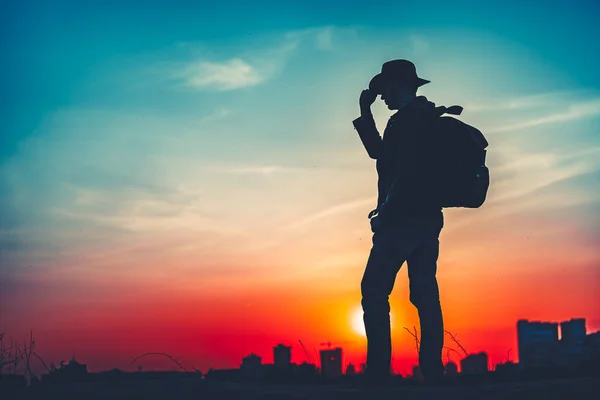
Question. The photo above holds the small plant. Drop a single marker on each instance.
(12, 355)
(415, 335)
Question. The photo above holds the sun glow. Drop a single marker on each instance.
(356, 321)
(357, 324)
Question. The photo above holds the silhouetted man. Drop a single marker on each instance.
(407, 221)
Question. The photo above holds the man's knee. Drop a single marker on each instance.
(424, 293)
(375, 303)
(375, 299)
(374, 284)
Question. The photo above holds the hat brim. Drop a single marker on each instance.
(381, 81)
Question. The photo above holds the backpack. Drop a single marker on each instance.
(462, 178)
(457, 175)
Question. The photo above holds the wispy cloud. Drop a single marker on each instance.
(295, 231)
(253, 169)
(252, 66)
(323, 38)
(227, 75)
(527, 184)
(217, 114)
(420, 45)
(538, 179)
(538, 100)
(575, 111)
(336, 209)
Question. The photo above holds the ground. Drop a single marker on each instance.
(571, 389)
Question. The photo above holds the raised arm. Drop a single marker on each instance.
(365, 125)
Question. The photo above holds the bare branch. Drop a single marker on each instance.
(40, 358)
(414, 335)
(26, 354)
(175, 360)
(457, 342)
(449, 349)
(418, 341)
(7, 353)
(508, 355)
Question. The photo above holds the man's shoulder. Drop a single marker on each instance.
(410, 119)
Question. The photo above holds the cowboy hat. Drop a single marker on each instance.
(396, 71)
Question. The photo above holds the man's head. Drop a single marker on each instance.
(397, 83)
(396, 95)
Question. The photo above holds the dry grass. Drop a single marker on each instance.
(13, 354)
(448, 349)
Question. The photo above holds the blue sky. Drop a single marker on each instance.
(61, 46)
(173, 129)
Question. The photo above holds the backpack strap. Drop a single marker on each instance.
(373, 212)
(454, 110)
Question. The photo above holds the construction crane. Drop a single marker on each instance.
(308, 359)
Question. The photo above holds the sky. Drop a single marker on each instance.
(184, 177)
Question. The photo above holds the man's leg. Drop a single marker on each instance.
(424, 294)
(387, 256)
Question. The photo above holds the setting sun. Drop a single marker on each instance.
(357, 323)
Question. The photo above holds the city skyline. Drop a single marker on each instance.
(572, 334)
(184, 178)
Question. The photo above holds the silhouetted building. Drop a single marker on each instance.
(306, 372)
(71, 372)
(592, 346)
(570, 355)
(232, 374)
(571, 349)
(331, 362)
(538, 343)
(350, 370)
(282, 356)
(251, 367)
(451, 369)
(507, 370)
(74, 368)
(593, 339)
(474, 364)
(573, 331)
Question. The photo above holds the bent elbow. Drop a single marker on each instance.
(373, 156)
(374, 150)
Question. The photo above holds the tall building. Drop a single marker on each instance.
(573, 331)
(592, 345)
(282, 356)
(474, 364)
(451, 369)
(572, 342)
(538, 343)
(331, 362)
(251, 367)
